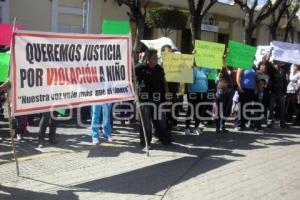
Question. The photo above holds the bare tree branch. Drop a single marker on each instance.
(211, 3)
(293, 13)
(192, 6)
(243, 5)
(272, 7)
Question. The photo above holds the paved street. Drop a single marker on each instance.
(248, 165)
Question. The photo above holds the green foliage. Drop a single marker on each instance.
(167, 19)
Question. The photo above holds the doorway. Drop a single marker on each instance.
(223, 38)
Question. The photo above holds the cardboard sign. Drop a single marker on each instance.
(209, 54)
(240, 55)
(178, 67)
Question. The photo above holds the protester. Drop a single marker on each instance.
(151, 84)
(196, 93)
(20, 125)
(223, 98)
(278, 84)
(47, 120)
(173, 88)
(262, 98)
(246, 81)
(263, 87)
(293, 95)
(101, 113)
(212, 86)
(3, 87)
(2, 100)
(19, 122)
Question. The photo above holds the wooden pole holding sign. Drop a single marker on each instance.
(11, 130)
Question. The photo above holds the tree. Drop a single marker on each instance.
(136, 14)
(197, 13)
(255, 15)
(277, 17)
(291, 14)
(163, 18)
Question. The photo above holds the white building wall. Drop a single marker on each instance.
(207, 36)
(238, 33)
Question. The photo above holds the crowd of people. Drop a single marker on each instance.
(255, 97)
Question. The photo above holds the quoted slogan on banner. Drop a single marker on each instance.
(64, 70)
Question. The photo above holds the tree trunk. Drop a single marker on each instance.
(140, 25)
(273, 33)
(249, 28)
(292, 34)
(289, 31)
(248, 35)
(196, 28)
(193, 30)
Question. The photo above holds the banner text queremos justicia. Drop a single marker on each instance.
(41, 52)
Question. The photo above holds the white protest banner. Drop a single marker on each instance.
(53, 71)
(286, 52)
(261, 52)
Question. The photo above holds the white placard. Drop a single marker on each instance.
(286, 52)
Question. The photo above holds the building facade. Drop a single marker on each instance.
(222, 23)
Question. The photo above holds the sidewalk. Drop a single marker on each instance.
(248, 165)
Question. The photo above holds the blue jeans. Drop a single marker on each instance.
(101, 113)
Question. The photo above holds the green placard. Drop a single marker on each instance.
(209, 54)
(4, 65)
(115, 27)
(213, 74)
(61, 111)
(240, 55)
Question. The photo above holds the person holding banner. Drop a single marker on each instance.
(101, 113)
(151, 85)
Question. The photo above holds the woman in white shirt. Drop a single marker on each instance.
(293, 95)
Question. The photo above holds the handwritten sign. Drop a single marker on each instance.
(209, 54)
(240, 55)
(178, 67)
